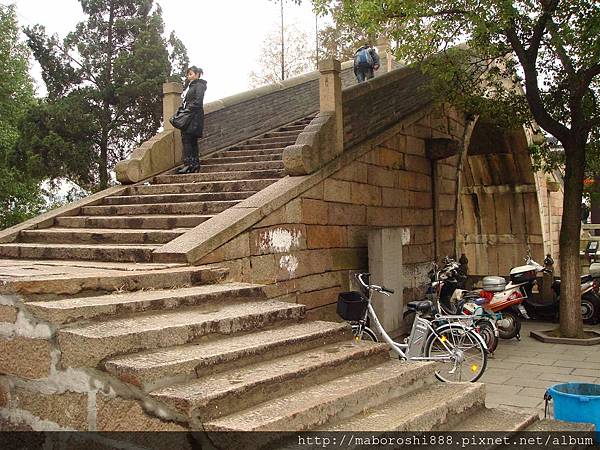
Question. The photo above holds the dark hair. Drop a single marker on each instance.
(195, 69)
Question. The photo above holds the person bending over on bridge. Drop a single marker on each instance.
(193, 99)
(366, 61)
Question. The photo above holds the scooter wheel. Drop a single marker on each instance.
(590, 308)
(512, 327)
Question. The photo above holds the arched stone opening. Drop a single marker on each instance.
(499, 217)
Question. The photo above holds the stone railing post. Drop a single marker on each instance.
(171, 101)
(330, 96)
(384, 48)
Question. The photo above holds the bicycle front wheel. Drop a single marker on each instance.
(462, 354)
(367, 333)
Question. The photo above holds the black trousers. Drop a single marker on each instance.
(190, 149)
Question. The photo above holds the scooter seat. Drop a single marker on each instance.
(420, 306)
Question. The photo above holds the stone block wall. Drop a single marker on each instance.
(370, 108)
(307, 249)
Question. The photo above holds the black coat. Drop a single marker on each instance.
(194, 99)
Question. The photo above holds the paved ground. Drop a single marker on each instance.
(519, 373)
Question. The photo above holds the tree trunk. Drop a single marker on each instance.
(103, 169)
(571, 323)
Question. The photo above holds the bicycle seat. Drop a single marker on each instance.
(422, 306)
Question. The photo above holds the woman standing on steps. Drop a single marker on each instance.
(193, 98)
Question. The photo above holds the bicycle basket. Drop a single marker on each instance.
(351, 306)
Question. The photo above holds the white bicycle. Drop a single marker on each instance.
(446, 339)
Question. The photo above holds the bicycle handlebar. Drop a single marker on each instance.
(373, 287)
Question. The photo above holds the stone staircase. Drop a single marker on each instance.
(129, 227)
(223, 357)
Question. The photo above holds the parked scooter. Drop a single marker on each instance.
(444, 282)
(549, 310)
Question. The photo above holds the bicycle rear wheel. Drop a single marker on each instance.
(467, 356)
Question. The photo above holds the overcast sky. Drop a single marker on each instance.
(223, 37)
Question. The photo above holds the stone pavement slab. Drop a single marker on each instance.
(519, 372)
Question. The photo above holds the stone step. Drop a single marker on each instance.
(99, 236)
(178, 198)
(70, 310)
(226, 159)
(294, 128)
(241, 167)
(224, 393)
(88, 345)
(208, 187)
(260, 146)
(339, 398)
(283, 133)
(281, 140)
(86, 252)
(121, 280)
(495, 419)
(219, 176)
(156, 222)
(427, 409)
(160, 208)
(154, 369)
(262, 152)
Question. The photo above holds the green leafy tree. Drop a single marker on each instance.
(104, 88)
(20, 195)
(554, 45)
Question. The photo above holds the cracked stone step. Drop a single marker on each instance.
(157, 368)
(157, 222)
(424, 410)
(339, 398)
(86, 252)
(88, 345)
(217, 395)
(202, 187)
(225, 159)
(178, 198)
(160, 208)
(241, 167)
(219, 176)
(70, 310)
(99, 236)
(121, 280)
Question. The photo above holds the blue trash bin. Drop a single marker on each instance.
(577, 402)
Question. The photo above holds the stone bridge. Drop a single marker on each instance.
(132, 308)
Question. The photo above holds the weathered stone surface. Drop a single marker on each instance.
(349, 394)
(25, 357)
(116, 414)
(8, 314)
(67, 409)
(315, 299)
(314, 211)
(87, 345)
(86, 308)
(215, 396)
(156, 368)
(278, 239)
(326, 236)
(343, 214)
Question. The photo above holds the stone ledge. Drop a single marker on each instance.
(158, 154)
(542, 336)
